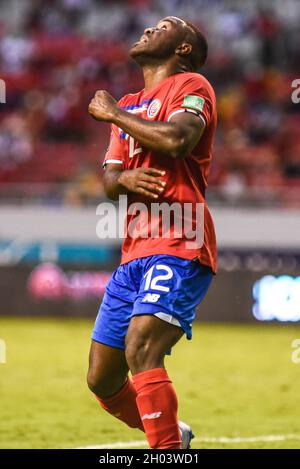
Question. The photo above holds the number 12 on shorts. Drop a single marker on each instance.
(152, 281)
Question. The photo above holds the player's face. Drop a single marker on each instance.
(160, 41)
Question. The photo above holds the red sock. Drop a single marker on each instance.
(157, 404)
(122, 405)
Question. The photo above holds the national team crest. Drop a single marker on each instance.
(153, 108)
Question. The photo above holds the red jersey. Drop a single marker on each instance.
(186, 178)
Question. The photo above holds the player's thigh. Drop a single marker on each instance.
(148, 340)
(107, 369)
(164, 308)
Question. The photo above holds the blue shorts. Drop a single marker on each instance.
(165, 286)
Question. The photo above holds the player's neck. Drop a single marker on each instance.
(154, 74)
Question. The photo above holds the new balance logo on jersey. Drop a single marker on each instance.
(155, 415)
(151, 298)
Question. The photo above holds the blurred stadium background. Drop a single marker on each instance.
(54, 54)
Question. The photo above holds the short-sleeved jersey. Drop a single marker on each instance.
(186, 177)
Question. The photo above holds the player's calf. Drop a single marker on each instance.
(107, 378)
(147, 341)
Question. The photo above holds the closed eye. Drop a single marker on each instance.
(164, 26)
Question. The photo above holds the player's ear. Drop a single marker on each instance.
(184, 49)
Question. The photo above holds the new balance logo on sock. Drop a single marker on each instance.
(155, 415)
(151, 298)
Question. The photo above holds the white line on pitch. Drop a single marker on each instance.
(204, 439)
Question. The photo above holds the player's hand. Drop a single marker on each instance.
(143, 181)
(103, 106)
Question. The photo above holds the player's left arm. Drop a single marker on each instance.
(177, 137)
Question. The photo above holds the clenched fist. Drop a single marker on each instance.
(103, 106)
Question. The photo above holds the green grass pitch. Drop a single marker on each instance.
(232, 381)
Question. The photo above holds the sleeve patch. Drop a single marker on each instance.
(193, 102)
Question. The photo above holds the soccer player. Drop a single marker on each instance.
(160, 152)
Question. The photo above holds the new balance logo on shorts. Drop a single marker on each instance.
(155, 415)
(151, 298)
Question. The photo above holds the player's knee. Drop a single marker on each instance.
(102, 385)
(93, 382)
(141, 355)
(135, 355)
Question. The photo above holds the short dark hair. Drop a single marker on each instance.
(199, 52)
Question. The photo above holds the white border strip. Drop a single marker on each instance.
(112, 161)
(168, 318)
(204, 439)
